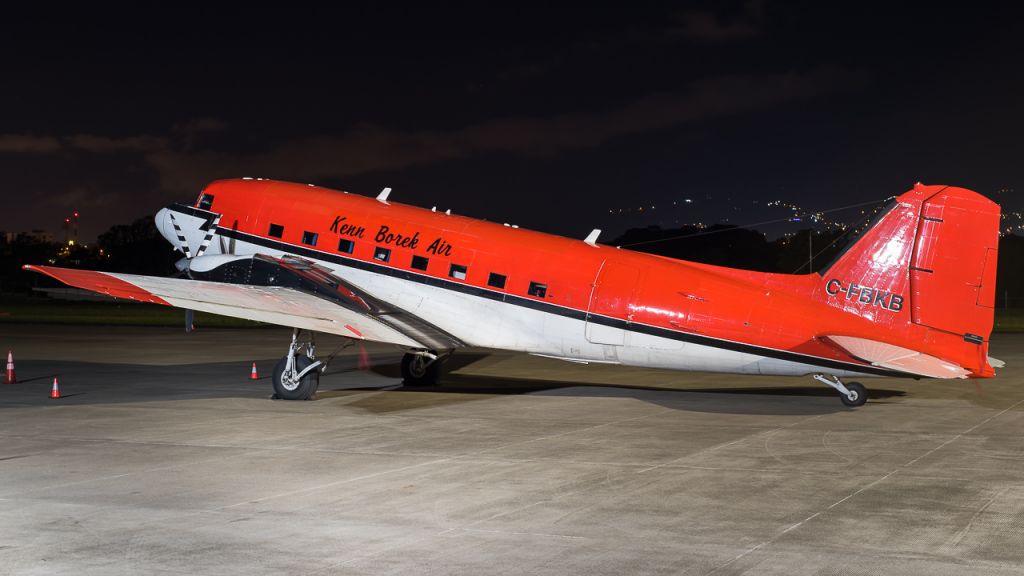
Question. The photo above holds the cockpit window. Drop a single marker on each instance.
(206, 202)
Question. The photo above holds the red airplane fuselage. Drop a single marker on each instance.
(922, 279)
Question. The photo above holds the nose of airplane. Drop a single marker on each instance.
(165, 227)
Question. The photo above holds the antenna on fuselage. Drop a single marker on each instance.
(591, 239)
(383, 196)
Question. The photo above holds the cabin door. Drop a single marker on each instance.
(609, 313)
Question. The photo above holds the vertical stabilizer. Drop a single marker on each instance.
(925, 270)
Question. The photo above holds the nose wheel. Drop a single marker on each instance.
(852, 395)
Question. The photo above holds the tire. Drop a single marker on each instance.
(415, 374)
(860, 392)
(304, 389)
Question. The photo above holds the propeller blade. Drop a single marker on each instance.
(231, 243)
(211, 229)
(181, 237)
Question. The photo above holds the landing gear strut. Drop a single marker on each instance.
(853, 394)
(422, 368)
(296, 376)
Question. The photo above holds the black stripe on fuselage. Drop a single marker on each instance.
(542, 306)
(191, 210)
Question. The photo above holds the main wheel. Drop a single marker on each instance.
(418, 370)
(291, 389)
(858, 392)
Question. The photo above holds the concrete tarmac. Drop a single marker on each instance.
(163, 458)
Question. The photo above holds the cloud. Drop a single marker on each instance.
(705, 26)
(183, 168)
(80, 197)
(371, 148)
(200, 125)
(31, 144)
(28, 143)
(106, 144)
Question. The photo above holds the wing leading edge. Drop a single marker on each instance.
(288, 291)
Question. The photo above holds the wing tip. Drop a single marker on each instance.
(99, 282)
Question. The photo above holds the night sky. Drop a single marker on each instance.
(551, 117)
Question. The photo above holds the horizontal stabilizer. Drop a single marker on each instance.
(995, 362)
(899, 358)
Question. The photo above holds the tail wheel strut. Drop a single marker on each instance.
(853, 394)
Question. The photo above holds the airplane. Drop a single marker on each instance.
(912, 296)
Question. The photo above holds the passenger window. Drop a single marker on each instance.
(537, 289)
(457, 271)
(496, 280)
(309, 238)
(276, 230)
(382, 254)
(419, 262)
(206, 201)
(346, 246)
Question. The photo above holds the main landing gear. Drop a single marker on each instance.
(422, 368)
(853, 394)
(297, 375)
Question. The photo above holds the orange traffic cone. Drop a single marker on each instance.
(253, 375)
(55, 392)
(9, 377)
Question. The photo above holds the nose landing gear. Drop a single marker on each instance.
(296, 376)
(853, 394)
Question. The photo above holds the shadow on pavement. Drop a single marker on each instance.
(102, 383)
(769, 400)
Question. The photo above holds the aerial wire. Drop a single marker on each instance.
(849, 229)
(755, 224)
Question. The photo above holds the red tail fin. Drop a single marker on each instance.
(925, 269)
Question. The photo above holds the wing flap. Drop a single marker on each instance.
(272, 304)
(899, 358)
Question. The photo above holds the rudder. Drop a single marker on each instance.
(953, 269)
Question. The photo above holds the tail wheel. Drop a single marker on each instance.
(858, 395)
(420, 370)
(290, 388)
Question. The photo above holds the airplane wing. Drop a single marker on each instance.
(286, 291)
(899, 358)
